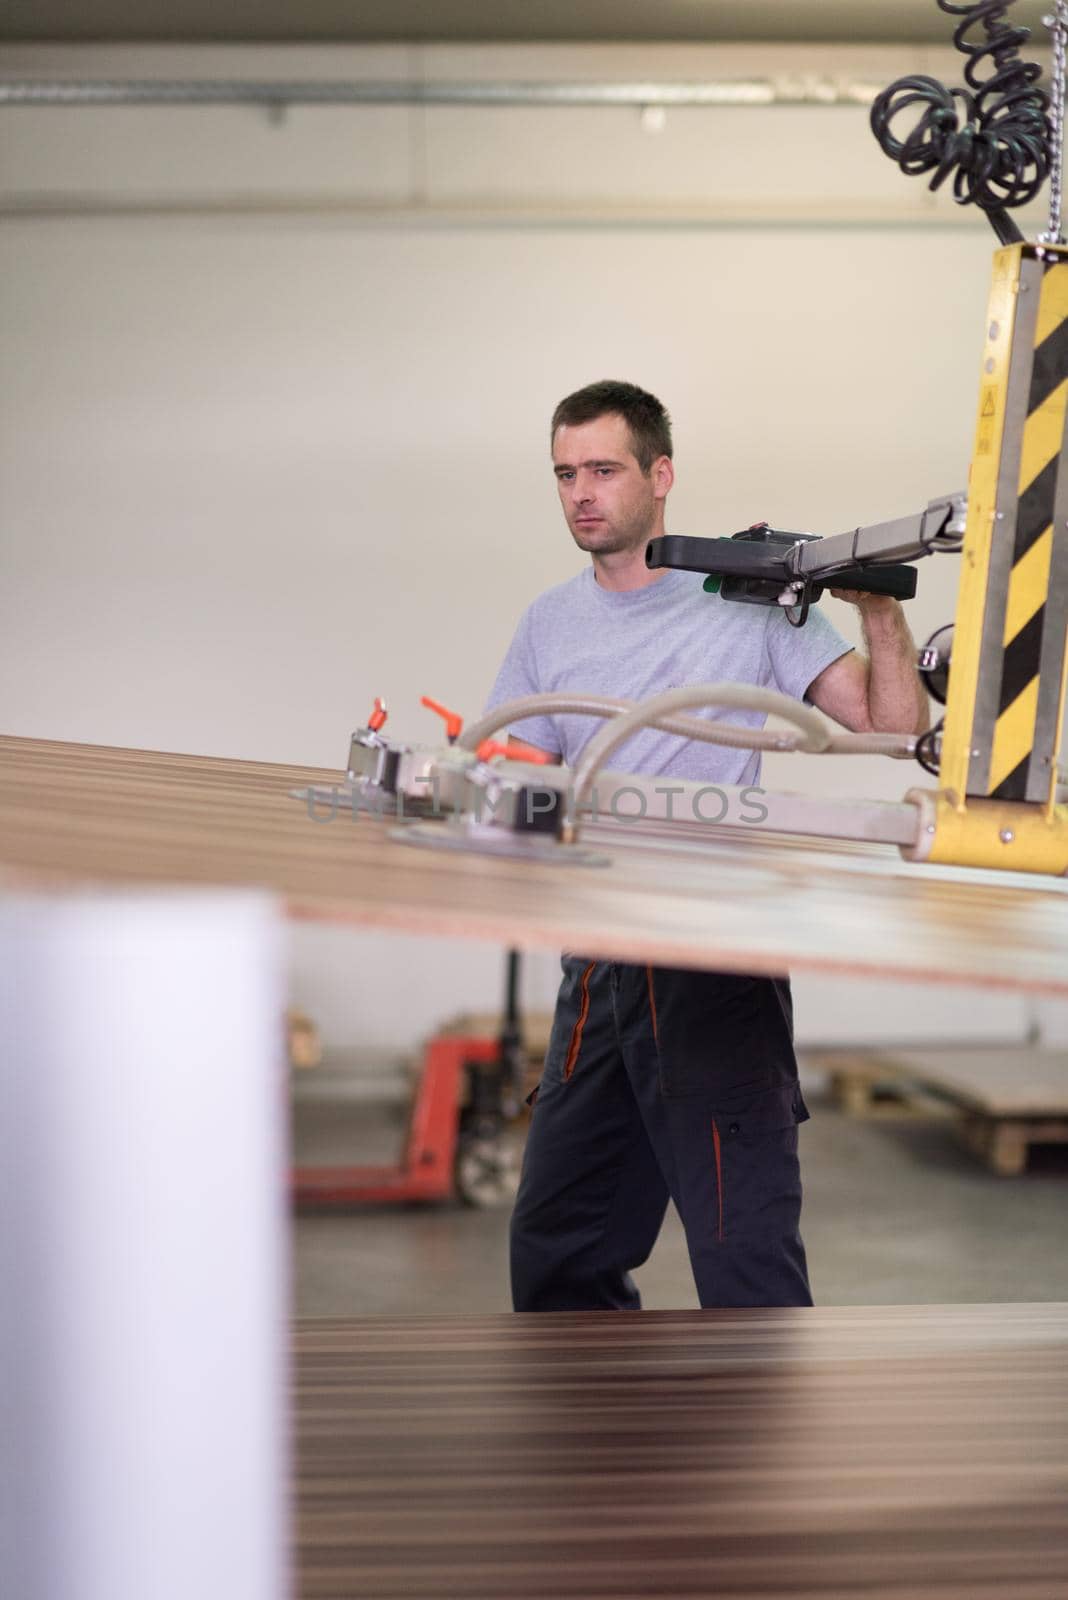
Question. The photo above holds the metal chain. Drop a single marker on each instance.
(1058, 26)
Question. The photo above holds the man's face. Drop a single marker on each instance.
(610, 504)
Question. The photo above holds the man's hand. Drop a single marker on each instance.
(865, 601)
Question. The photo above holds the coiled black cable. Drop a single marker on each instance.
(995, 141)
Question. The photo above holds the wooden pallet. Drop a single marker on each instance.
(1000, 1100)
(535, 1026)
(876, 1087)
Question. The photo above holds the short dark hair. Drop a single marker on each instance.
(648, 422)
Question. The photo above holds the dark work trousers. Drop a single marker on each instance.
(661, 1084)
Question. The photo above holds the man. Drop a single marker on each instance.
(661, 1083)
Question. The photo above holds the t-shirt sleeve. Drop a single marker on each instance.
(517, 677)
(798, 655)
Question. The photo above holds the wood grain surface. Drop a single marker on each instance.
(743, 900)
(917, 1452)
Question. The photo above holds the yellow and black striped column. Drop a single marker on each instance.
(1006, 695)
(1016, 745)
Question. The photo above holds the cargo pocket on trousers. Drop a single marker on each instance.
(712, 1033)
(754, 1152)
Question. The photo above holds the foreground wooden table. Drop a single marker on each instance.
(887, 1451)
(91, 815)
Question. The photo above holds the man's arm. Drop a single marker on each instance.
(882, 693)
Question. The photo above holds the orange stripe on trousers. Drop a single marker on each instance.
(652, 1006)
(719, 1177)
(576, 1032)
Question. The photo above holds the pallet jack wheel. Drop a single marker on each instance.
(487, 1170)
(486, 1166)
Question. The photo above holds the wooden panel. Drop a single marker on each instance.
(856, 1451)
(90, 814)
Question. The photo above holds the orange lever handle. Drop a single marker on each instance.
(378, 715)
(453, 721)
(512, 752)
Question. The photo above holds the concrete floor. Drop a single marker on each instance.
(895, 1213)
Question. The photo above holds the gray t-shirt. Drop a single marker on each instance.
(639, 642)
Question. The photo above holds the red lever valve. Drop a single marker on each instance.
(512, 752)
(453, 721)
(378, 715)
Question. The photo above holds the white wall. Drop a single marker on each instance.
(273, 417)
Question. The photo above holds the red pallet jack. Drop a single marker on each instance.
(455, 1146)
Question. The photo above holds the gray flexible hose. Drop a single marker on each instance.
(814, 733)
(898, 745)
(901, 746)
(605, 705)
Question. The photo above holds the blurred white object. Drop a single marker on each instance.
(142, 1248)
